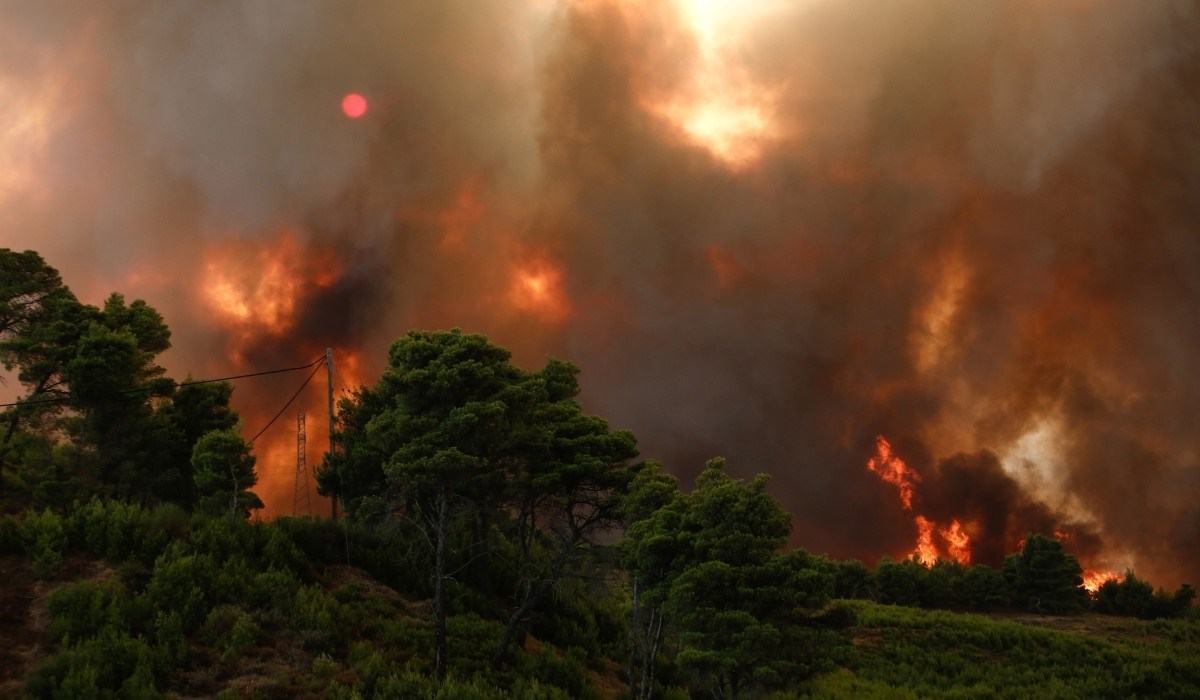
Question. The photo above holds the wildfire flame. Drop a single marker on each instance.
(958, 543)
(893, 470)
(1094, 579)
(259, 289)
(926, 550)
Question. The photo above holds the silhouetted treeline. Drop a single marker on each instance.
(505, 515)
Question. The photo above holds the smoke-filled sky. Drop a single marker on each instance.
(771, 230)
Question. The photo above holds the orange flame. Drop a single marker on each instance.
(255, 287)
(926, 550)
(958, 542)
(1094, 579)
(893, 470)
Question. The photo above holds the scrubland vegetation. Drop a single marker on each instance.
(497, 542)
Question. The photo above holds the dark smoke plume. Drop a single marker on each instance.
(970, 227)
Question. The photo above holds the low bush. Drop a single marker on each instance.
(44, 536)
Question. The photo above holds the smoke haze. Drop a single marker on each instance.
(771, 234)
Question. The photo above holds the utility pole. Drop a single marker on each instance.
(337, 489)
(301, 489)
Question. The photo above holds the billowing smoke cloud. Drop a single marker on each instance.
(771, 234)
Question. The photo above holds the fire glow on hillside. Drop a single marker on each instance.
(768, 230)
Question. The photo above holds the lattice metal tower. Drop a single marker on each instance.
(300, 494)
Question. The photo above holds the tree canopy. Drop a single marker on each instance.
(90, 374)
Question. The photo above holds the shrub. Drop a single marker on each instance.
(273, 589)
(81, 611)
(323, 667)
(227, 539)
(183, 584)
(313, 615)
(282, 553)
(171, 648)
(45, 537)
(242, 636)
(110, 663)
(10, 536)
(118, 531)
(567, 671)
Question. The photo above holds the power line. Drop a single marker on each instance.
(64, 399)
(312, 374)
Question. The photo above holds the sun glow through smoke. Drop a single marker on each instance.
(354, 105)
(723, 109)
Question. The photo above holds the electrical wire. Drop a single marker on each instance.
(64, 399)
(289, 402)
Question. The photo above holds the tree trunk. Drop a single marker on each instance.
(14, 420)
(439, 585)
(634, 641)
(651, 658)
(516, 620)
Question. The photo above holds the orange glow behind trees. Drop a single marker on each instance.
(537, 289)
(257, 289)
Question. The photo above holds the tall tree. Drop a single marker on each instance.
(439, 422)
(470, 446)
(707, 564)
(567, 493)
(733, 601)
(91, 375)
(118, 391)
(41, 322)
(223, 469)
(194, 410)
(653, 510)
(1045, 578)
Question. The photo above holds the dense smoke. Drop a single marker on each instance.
(771, 234)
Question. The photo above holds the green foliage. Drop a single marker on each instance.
(129, 431)
(733, 600)
(10, 536)
(567, 671)
(117, 531)
(324, 667)
(223, 471)
(1135, 597)
(45, 538)
(455, 438)
(513, 484)
(904, 652)
(984, 588)
(82, 610)
(1044, 578)
(411, 684)
(898, 583)
(273, 589)
(171, 647)
(40, 323)
(183, 584)
(314, 616)
(852, 580)
(109, 665)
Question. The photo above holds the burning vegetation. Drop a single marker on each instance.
(772, 230)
